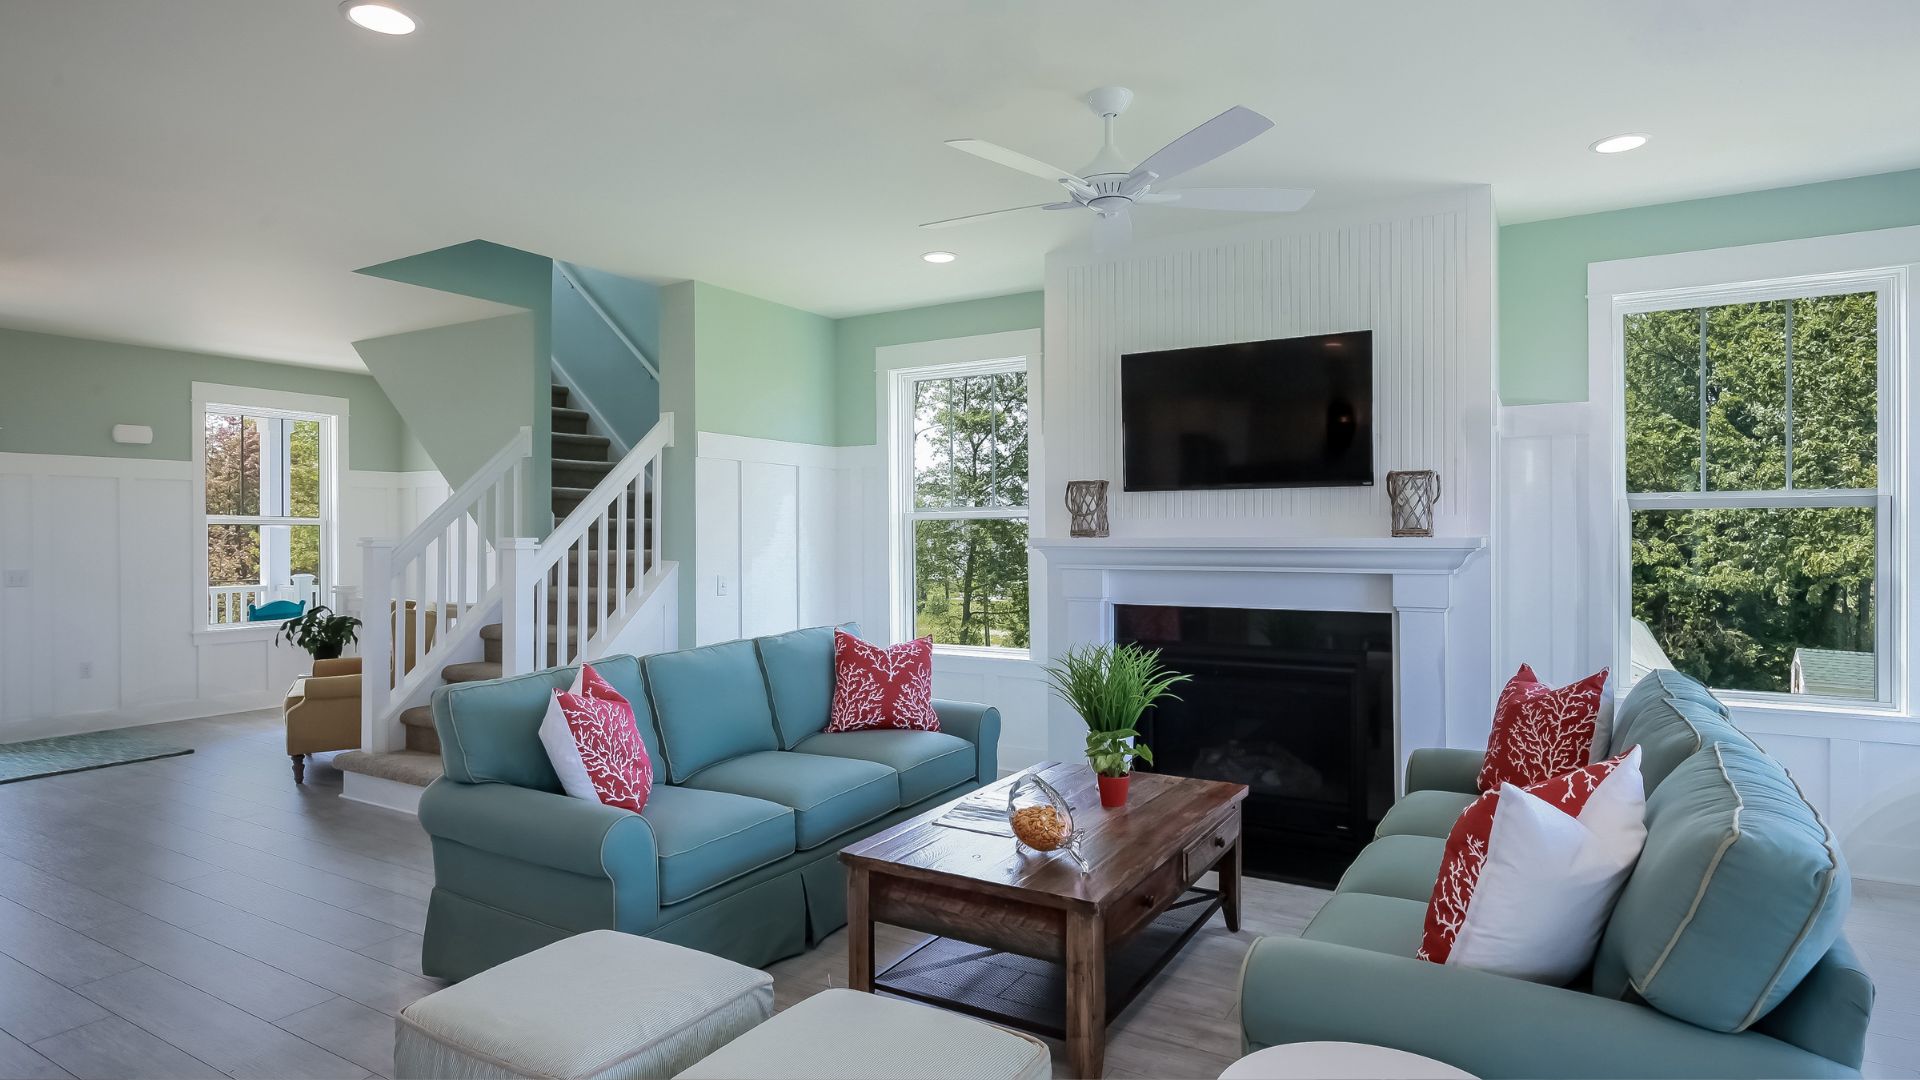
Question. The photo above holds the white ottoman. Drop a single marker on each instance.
(601, 1005)
(848, 1035)
(1339, 1061)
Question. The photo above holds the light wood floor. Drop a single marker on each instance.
(202, 916)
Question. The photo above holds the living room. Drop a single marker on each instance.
(1251, 539)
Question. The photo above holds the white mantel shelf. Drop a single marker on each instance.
(1301, 554)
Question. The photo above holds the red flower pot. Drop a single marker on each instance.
(1113, 791)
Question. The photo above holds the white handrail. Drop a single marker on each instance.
(581, 596)
(566, 271)
(418, 589)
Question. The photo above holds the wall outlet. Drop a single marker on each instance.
(720, 585)
(17, 579)
(86, 669)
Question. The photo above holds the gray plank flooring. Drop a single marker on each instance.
(202, 916)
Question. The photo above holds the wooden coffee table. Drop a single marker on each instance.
(954, 872)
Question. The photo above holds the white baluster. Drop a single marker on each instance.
(521, 629)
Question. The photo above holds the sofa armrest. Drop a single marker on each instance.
(1435, 768)
(1492, 1026)
(318, 687)
(979, 725)
(342, 665)
(545, 829)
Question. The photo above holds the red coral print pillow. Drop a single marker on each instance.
(1540, 732)
(1471, 839)
(594, 744)
(882, 688)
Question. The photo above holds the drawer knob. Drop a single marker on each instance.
(1149, 900)
(1219, 841)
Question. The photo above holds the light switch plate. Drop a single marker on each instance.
(17, 579)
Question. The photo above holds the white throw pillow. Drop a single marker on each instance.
(1550, 879)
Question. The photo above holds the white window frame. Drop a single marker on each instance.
(331, 413)
(897, 444)
(1886, 263)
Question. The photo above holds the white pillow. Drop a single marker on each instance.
(1550, 879)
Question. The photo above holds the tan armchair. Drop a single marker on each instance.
(323, 712)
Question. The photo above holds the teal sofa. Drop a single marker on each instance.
(1722, 958)
(734, 851)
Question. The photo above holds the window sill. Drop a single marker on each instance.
(981, 654)
(266, 631)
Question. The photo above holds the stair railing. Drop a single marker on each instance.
(570, 592)
(419, 589)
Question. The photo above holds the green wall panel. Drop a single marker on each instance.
(63, 395)
(463, 386)
(855, 339)
(1543, 264)
(762, 369)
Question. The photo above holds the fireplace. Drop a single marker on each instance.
(1297, 705)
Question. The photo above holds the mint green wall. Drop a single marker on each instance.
(762, 369)
(678, 389)
(855, 339)
(63, 395)
(463, 386)
(596, 362)
(1543, 264)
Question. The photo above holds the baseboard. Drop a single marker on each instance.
(381, 792)
(162, 713)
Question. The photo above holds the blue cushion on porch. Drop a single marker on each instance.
(710, 705)
(799, 670)
(706, 838)
(829, 795)
(278, 611)
(928, 762)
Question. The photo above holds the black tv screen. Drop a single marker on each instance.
(1293, 412)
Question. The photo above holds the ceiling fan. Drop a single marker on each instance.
(1111, 187)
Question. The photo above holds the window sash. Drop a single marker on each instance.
(276, 477)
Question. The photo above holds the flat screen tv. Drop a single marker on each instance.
(1293, 412)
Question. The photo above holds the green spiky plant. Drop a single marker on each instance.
(1110, 686)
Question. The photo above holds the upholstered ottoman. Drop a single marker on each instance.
(601, 1005)
(848, 1035)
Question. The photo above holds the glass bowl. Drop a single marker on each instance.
(1042, 820)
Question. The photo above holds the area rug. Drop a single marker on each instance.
(78, 753)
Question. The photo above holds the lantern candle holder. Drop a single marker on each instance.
(1087, 503)
(1412, 494)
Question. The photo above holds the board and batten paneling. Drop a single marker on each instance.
(97, 623)
(776, 536)
(1417, 274)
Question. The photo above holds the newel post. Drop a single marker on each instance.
(519, 569)
(376, 644)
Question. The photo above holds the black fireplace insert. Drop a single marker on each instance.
(1297, 705)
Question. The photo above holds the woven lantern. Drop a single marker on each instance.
(1087, 503)
(1412, 494)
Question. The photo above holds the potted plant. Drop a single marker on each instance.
(1110, 686)
(321, 632)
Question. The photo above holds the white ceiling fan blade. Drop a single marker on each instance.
(1112, 232)
(1013, 159)
(1251, 199)
(966, 219)
(1204, 143)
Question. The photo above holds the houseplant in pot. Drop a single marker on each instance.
(321, 632)
(1110, 686)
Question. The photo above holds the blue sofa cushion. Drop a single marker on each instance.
(1399, 866)
(799, 671)
(829, 795)
(1740, 890)
(1385, 924)
(1670, 717)
(928, 762)
(1424, 813)
(490, 731)
(707, 838)
(710, 705)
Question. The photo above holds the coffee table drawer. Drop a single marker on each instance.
(1200, 855)
(1145, 901)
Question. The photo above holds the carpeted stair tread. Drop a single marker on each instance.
(418, 723)
(472, 671)
(570, 421)
(420, 716)
(559, 396)
(581, 447)
(416, 767)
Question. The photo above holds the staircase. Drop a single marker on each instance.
(591, 576)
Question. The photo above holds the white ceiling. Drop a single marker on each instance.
(205, 174)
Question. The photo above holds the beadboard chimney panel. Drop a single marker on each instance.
(1418, 274)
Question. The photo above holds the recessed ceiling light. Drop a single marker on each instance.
(377, 17)
(939, 256)
(1619, 144)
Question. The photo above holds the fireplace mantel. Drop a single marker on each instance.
(1316, 554)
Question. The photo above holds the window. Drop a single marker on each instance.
(264, 508)
(961, 464)
(1758, 509)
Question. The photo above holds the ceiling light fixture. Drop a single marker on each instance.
(380, 18)
(939, 256)
(1619, 144)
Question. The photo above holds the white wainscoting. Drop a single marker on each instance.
(778, 542)
(1419, 274)
(1861, 770)
(101, 633)
(1017, 687)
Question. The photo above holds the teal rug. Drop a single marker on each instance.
(78, 753)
